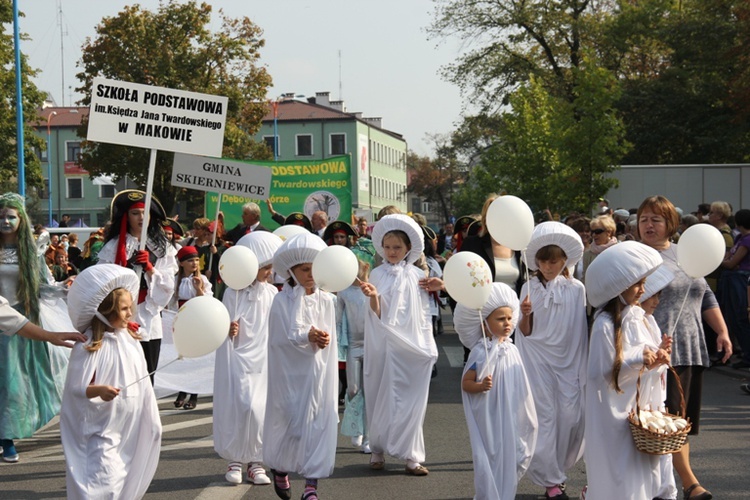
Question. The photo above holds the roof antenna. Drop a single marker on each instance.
(341, 96)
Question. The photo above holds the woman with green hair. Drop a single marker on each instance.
(31, 372)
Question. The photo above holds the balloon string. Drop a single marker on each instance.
(674, 324)
(526, 271)
(484, 338)
(213, 239)
(163, 366)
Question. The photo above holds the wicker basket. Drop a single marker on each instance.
(652, 442)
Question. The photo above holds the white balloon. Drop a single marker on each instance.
(468, 279)
(289, 230)
(201, 326)
(700, 250)
(335, 268)
(238, 267)
(510, 222)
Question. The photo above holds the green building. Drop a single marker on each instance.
(68, 187)
(318, 128)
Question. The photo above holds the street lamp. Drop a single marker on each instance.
(49, 165)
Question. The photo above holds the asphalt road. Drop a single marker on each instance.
(190, 469)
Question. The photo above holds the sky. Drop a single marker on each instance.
(388, 68)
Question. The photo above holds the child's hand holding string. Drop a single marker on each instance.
(649, 357)
(666, 343)
(319, 337)
(486, 383)
(368, 289)
(526, 306)
(106, 392)
(234, 329)
(432, 284)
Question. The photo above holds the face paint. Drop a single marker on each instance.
(9, 220)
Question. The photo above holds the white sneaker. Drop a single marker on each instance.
(234, 473)
(256, 474)
(357, 441)
(366, 448)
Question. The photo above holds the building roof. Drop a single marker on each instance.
(68, 116)
(292, 110)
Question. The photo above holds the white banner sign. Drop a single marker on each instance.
(150, 117)
(223, 176)
(363, 161)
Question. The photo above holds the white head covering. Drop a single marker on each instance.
(554, 233)
(618, 268)
(297, 249)
(656, 282)
(92, 286)
(264, 245)
(467, 321)
(403, 223)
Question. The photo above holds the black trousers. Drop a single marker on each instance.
(151, 351)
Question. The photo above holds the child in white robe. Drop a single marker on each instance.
(109, 422)
(553, 345)
(351, 308)
(190, 283)
(399, 347)
(655, 394)
(241, 373)
(301, 423)
(620, 346)
(498, 404)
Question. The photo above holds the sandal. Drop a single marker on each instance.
(180, 400)
(310, 495)
(192, 403)
(419, 470)
(706, 495)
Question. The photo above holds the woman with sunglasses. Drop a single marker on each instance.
(603, 230)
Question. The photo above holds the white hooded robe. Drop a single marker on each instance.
(502, 421)
(614, 467)
(301, 421)
(241, 376)
(554, 356)
(399, 354)
(111, 448)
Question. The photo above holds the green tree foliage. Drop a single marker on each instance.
(33, 99)
(434, 179)
(174, 48)
(683, 103)
(561, 135)
(551, 152)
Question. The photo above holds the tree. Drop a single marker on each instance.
(33, 99)
(429, 180)
(174, 48)
(550, 152)
(686, 104)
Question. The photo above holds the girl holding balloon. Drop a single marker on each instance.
(554, 346)
(109, 421)
(399, 347)
(241, 370)
(190, 283)
(685, 304)
(301, 422)
(497, 400)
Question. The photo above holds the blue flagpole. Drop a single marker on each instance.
(19, 106)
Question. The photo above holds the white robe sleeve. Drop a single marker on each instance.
(10, 320)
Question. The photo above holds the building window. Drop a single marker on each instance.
(45, 190)
(42, 153)
(304, 145)
(75, 187)
(270, 140)
(73, 150)
(107, 191)
(337, 144)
